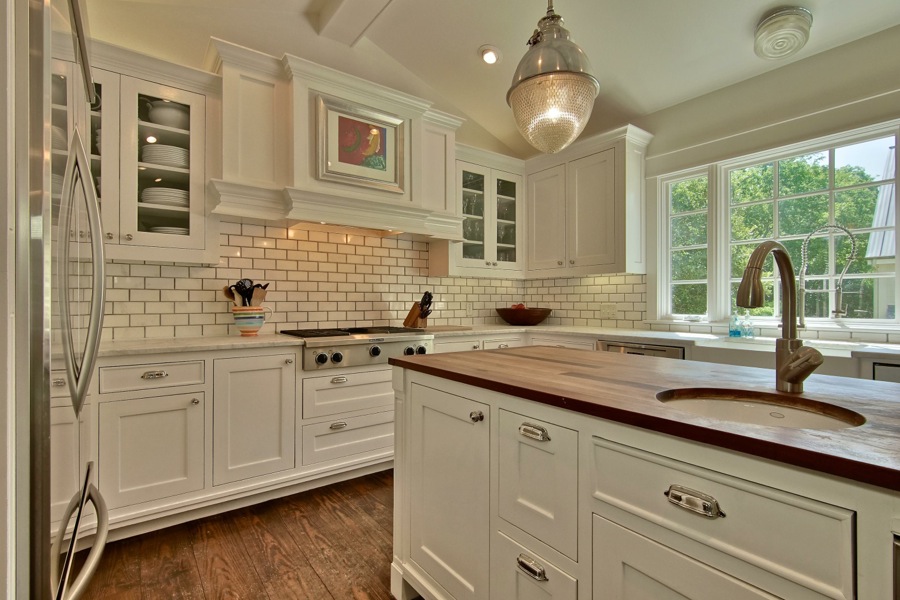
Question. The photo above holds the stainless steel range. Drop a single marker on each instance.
(359, 346)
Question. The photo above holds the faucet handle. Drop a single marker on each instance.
(800, 365)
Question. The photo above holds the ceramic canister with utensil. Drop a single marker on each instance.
(249, 319)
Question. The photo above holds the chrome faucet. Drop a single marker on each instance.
(839, 309)
(793, 361)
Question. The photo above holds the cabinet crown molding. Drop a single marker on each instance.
(318, 76)
(220, 52)
(590, 145)
(442, 119)
(486, 157)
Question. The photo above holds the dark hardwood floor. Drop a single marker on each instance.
(330, 543)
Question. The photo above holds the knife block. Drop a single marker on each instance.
(413, 319)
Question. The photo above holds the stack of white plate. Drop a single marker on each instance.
(58, 138)
(166, 196)
(171, 156)
(171, 230)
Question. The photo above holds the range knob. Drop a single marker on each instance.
(409, 351)
(321, 358)
(375, 351)
(421, 350)
(337, 357)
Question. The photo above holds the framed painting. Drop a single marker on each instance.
(359, 145)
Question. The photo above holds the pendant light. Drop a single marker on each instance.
(552, 91)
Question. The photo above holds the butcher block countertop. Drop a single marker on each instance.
(623, 388)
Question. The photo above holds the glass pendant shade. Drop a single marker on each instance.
(553, 91)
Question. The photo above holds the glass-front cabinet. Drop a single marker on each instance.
(146, 144)
(490, 211)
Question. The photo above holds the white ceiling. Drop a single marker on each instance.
(647, 54)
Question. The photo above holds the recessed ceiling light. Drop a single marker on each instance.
(489, 54)
(151, 139)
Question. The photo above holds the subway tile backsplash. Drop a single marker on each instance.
(342, 279)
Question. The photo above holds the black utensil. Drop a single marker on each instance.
(244, 287)
(425, 305)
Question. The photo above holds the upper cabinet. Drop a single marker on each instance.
(489, 199)
(354, 153)
(146, 136)
(585, 206)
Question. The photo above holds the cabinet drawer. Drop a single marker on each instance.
(502, 343)
(150, 376)
(562, 343)
(335, 394)
(344, 438)
(801, 540)
(519, 574)
(538, 480)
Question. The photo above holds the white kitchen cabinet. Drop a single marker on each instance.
(585, 207)
(538, 479)
(562, 341)
(448, 481)
(347, 438)
(69, 452)
(486, 342)
(331, 395)
(253, 416)
(172, 221)
(490, 202)
(629, 566)
(518, 573)
(151, 448)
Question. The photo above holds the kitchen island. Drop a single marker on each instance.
(560, 470)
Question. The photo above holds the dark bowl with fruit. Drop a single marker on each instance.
(519, 314)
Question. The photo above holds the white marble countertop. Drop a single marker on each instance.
(235, 342)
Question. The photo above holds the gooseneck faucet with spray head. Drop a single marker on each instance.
(794, 362)
(838, 288)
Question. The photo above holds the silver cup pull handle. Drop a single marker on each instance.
(154, 375)
(694, 501)
(535, 432)
(340, 379)
(531, 568)
(337, 425)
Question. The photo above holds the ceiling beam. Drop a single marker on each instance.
(346, 21)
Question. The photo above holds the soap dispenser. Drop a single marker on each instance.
(734, 326)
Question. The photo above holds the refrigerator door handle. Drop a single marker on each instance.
(59, 581)
(78, 178)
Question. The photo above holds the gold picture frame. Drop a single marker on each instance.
(360, 145)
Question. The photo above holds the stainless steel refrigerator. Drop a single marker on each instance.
(61, 247)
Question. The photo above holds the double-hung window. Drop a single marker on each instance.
(832, 204)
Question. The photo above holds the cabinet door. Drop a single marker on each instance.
(592, 228)
(65, 459)
(162, 198)
(477, 207)
(547, 219)
(253, 416)
(538, 480)
(505, 236)
(151, 448)
(629, 566)
(519, 574)
(449, 482)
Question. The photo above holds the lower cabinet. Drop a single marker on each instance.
(493, 342)
(517, 573)
(629, 566)
(571, 506)
(253, 416)
(151, 448)
(348, 437)
(448, 481)
(68, 452)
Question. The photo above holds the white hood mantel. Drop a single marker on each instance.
(271, 140)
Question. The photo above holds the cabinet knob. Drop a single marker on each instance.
(475, 347)
(289, 361)
(195, 401)
(503, 345)
(476, 416)
(572, 261)
(129, 237)
(559, 262)
(109, 235)
(81, 234)
(487, 263)
(494, 264)
(59, 382)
